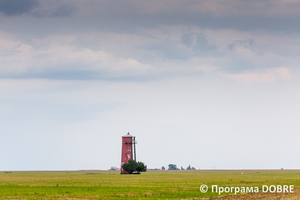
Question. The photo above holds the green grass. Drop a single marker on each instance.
(148, 185)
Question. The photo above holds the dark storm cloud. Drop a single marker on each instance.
(17, 7)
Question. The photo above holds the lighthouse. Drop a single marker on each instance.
(128, 150)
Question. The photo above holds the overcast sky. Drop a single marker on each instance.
(211, 83)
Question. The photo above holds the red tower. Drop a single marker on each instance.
(128, 150)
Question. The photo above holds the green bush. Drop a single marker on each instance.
(133, 166)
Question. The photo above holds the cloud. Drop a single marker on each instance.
(7, 42)
(54, 9)
(17, 7)
(156, 54)
(244, 43)
(198, 42)
(129, 15)
(229, 14)
(261, 76)
(61, 59)
(36, 8)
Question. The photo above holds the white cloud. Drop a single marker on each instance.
(7, 42)
(262, 76)
(62, 55)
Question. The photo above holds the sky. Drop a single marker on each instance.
(209, 83)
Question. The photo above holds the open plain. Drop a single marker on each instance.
(148, 185)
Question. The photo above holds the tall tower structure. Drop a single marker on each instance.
(128, 150)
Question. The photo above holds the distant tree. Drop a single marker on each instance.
(190, 168)
(163, 168)
(182, 168)
(133, 166)
(172, 167)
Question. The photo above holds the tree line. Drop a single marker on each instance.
(136, 167)
(174, 167)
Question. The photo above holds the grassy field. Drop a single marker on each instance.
(148, 185)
